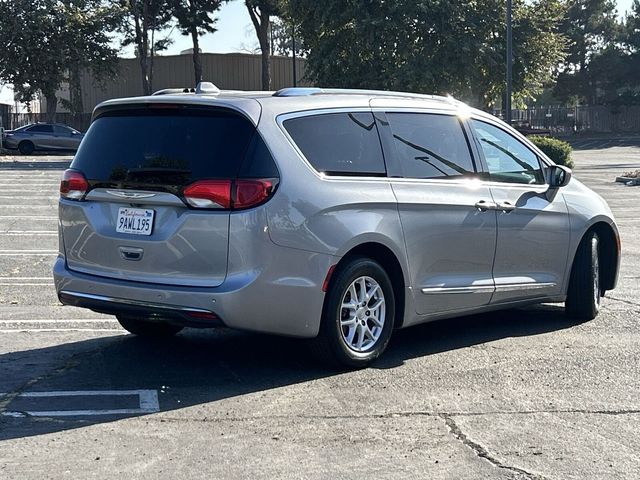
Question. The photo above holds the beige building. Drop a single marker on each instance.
(229, 71)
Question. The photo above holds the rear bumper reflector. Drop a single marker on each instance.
(327, 279)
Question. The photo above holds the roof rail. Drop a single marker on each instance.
(173, 91)
(203, 88)
(306, 91)
(298, 91)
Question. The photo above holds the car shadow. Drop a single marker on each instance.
(200, 367)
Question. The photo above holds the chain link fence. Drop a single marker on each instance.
(570, 120)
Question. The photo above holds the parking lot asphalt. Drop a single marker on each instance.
(525, 394)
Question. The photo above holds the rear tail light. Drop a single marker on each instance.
(73, 185)
(228, 194)
(209, 194)
(249, 193)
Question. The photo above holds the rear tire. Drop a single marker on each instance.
(358, 315)
(585, 294)
(26, 147)
(146, 328)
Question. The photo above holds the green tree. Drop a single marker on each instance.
(432, 46)
(91, 22)
(142, 20)
(591, 27)
(195, 18)
(632, 27)
(261, 12)
(43, 40)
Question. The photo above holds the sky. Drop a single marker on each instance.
(235, 33)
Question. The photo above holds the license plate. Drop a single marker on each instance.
(138, 221)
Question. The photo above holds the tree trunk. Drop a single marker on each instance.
(75, 92)
(142, 47)
(150, 61)
(265, 51)
(266, 62)
(52, 107)
(197, 64)
(261, 23)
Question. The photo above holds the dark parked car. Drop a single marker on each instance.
(42, 136)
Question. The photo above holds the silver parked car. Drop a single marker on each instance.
(335, 214)
(42, 136)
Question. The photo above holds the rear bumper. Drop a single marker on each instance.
(121, 306)
(270, 300)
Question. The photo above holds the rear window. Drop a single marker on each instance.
(169, 148)
(339, 143)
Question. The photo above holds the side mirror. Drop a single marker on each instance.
(558, 176)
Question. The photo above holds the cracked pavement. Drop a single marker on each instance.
(520, 394)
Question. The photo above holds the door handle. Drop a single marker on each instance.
(483, 205)
(506, 207)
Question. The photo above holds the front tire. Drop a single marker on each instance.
(146, 328)
(585, 294)
(358, 315)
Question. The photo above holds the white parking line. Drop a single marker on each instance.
(32, 217)
(59, 320)
(147, 401)
(14, 233)
(23, 278)
(27, 253)
(52, 330)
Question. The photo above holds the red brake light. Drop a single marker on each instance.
(209, 194)
(228, 194)
(73, 185)
(248, 193)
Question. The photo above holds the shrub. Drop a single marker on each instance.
(556, 150)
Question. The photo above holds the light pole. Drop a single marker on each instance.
(507, 106)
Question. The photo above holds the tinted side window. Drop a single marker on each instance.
(507, 158)
(41, 129)
(430, 145)
(339, 143)
(60, 130)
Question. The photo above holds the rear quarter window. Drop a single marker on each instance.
(41, 129)
(339, 143)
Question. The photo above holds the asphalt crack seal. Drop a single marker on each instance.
(482, 452)
(11, 396)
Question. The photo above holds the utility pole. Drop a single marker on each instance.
(507, 106)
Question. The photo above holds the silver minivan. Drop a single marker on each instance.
(338, 215)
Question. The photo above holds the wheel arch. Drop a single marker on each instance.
(609, 252)
(390, 262)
